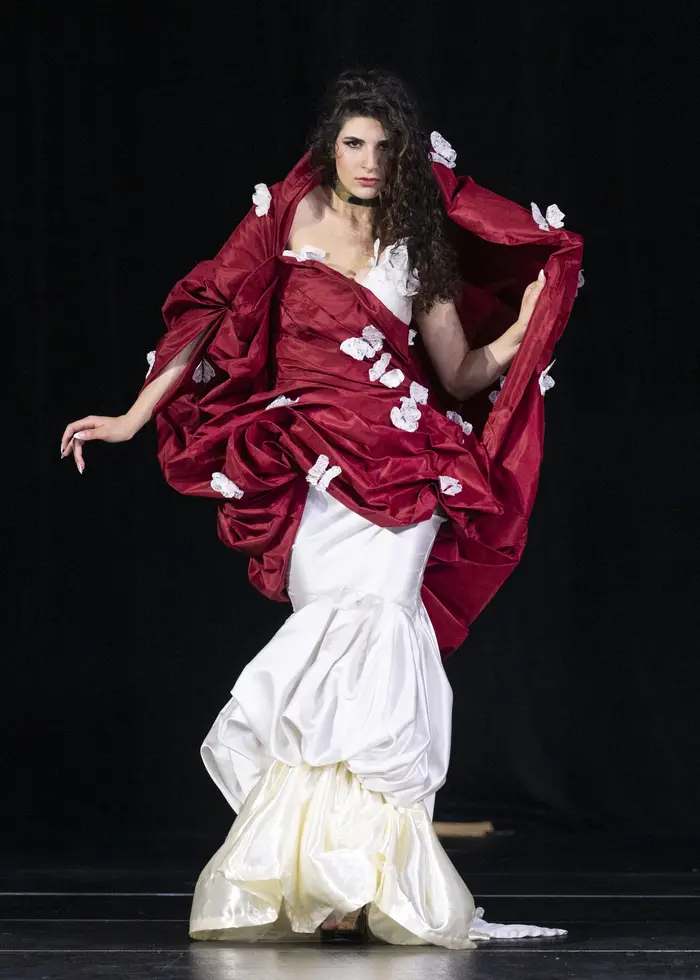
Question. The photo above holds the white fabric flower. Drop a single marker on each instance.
(412, 336)
(442, 152)
(494, 394)
(378, 372)
(280, 401)
(418, 393)
(392, 379)
(151, 358)
(358, 348)
(553, 217)
(307, 252)
(373, 336)
(379, 367)
(319, 475)
(466, 427)
(262, 199)
(545, 381)
(406, 415)
(450, 486)
(224, 486)
(203, 372)
(581, 281)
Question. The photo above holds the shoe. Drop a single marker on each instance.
(342, 933)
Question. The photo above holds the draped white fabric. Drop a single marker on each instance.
(331, 748)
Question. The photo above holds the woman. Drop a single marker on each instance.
(312, 378)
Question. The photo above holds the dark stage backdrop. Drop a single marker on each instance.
(140, 132)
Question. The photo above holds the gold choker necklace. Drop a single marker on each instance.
(345, 195)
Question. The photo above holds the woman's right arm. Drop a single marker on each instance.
(121, 428)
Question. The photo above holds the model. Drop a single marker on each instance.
(358, 378)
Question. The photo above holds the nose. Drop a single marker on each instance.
(371, 160)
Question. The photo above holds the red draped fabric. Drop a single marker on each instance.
(270, 326)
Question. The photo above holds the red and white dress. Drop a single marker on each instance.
(388, 515)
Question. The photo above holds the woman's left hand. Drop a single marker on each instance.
(528, 303)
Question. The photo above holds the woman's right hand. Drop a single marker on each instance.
(104, 427)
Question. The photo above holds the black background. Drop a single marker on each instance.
(139, 132)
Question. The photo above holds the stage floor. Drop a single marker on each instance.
(632, 908)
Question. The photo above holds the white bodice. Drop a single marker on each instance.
(389, 276)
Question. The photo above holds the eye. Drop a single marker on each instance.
(352, 142)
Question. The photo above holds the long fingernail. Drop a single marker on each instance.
(81, 467)
(79, 435)
(541, 276)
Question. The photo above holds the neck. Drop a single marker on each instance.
(355, 210)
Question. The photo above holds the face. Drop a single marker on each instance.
(362, 156)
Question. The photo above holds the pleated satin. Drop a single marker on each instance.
(332, 746)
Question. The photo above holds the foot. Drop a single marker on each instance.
(347, 923)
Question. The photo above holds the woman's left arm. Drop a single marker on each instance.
(464, 372)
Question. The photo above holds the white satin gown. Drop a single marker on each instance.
(331, 749)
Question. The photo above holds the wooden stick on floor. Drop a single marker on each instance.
(474, 828)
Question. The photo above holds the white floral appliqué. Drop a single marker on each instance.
(280, 401)
(373, 336)
(262, 199)
(307, 252)
(405, 416)
(580, 282)
(412, 336)
(151, 358)
(224, 486)
(203, 372)
(552, 218)
(418, 393)
(466, 427)
(546, 382)
(494, 394)
(320, 475)
(378, 372)
(371, 341)
(450, 486)
(442, 151)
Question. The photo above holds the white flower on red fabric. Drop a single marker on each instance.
(450, 486)
(378, 372)
(442, 152)
(203, 372)
(379, 367)
(581, 281)
(418, 393)
(262, 199)
(466, 427)
(319, 475)
(280, 401)
(358, 348)
(552, 218)
(224, 486)
(373, 336)
(405, 416)
(151, 358)
(307, 252)
(494, 394)
(412, 336)
(546, 382)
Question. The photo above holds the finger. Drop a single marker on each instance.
(78, 455)
(87, 423)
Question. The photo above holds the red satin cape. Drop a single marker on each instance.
(270, 326)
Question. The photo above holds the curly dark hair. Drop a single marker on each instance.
(411, 206)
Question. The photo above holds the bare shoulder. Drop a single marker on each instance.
(310, 210)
